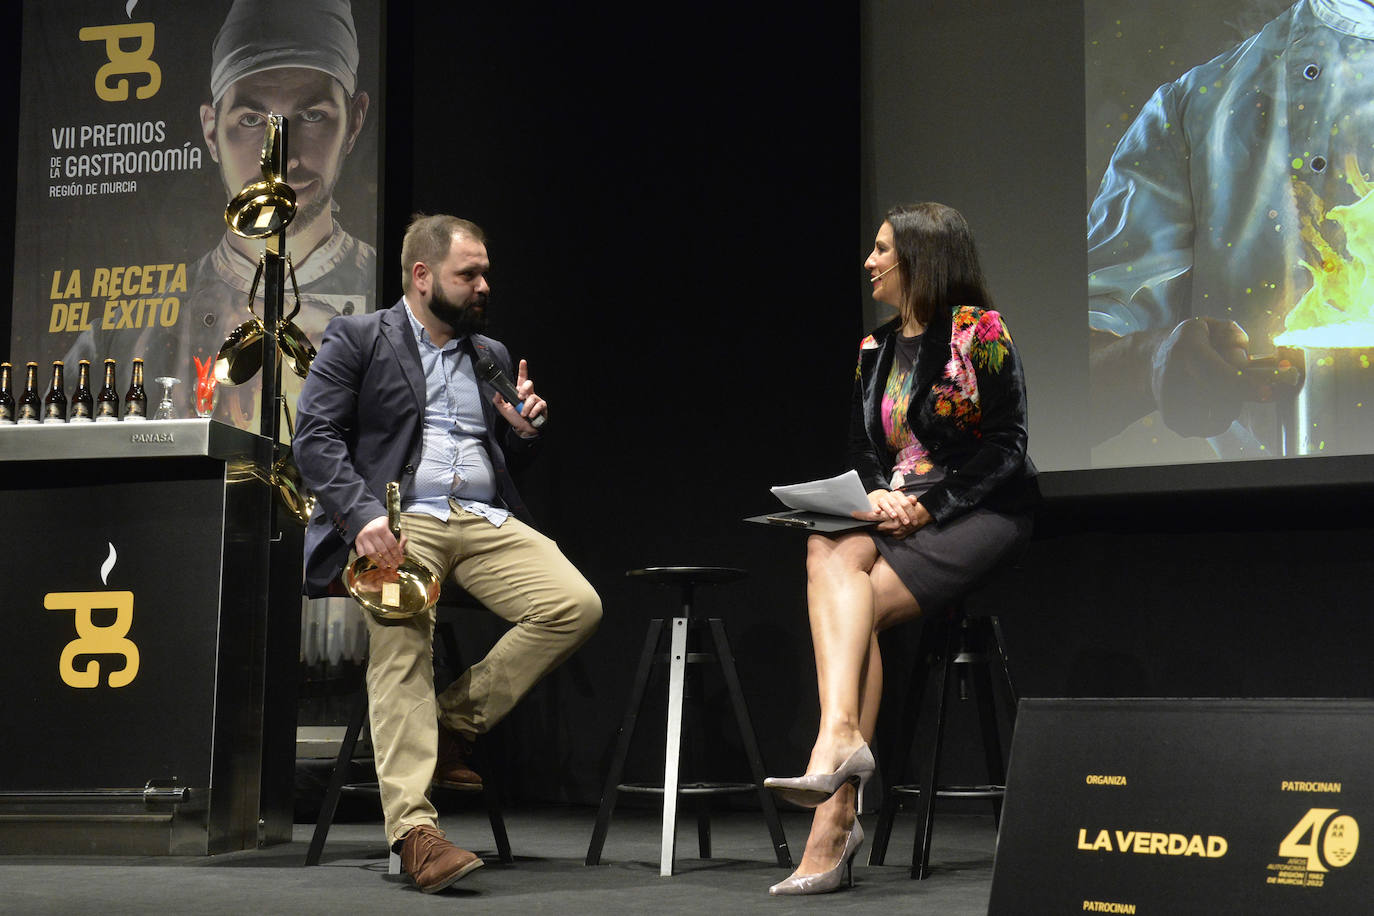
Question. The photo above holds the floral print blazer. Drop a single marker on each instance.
(968, 408)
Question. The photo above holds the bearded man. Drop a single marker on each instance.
(395, 396)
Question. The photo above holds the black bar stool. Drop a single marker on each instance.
(950, 643)
(684, 638)
(338, 786)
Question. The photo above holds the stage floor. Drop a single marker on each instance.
(547, 877)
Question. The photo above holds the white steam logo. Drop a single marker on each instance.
(110, 560)
(129, 8)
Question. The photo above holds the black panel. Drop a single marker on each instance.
(1183, 807)
(166, 538)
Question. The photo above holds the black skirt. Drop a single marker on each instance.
(941, 563)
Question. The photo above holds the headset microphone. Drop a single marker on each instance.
(884, 273)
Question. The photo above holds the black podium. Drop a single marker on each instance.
(149, 692)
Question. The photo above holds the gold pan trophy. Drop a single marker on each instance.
(240, 356)
(262, 210)
(392, 594)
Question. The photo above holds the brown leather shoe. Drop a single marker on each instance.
(451, 770)
(433, 861)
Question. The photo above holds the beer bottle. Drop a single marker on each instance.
(135, 401)
(55, 403)
(30, 405)
(6, 396)
(82, 402)
(107, 403)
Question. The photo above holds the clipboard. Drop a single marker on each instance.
(809, 522)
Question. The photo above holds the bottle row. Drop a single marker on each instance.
(53, 407)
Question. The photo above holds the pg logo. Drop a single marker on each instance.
(95, 639)
(111, 80)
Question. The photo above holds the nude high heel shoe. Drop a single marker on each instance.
(813, 790)
(826, 881)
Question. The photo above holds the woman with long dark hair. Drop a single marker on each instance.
(938, 435)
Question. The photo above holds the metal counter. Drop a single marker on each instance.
(139, 647)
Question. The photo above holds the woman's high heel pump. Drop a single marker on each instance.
(813, 790)
(826, 881)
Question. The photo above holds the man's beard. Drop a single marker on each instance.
(464, 319)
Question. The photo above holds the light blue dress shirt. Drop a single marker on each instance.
(453, 459)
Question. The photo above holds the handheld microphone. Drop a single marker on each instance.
(493, 376)
(884, 273)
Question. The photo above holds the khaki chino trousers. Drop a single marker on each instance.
(517, 573)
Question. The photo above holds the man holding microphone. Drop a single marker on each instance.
(399, 395)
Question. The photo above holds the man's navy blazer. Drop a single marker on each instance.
(359, 426)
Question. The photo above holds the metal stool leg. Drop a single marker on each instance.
(677, 668)
(491, 790)
(980, 635)
(703, 811)
(690, 764)
(948, 644)
(927, 647)
(751, 747)
(336, 781)
(920, 855)
(999, 645)
(622, 745)
(491, 797)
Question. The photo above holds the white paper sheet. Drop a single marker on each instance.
(835, 496)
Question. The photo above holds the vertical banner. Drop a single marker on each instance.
(142, 118)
